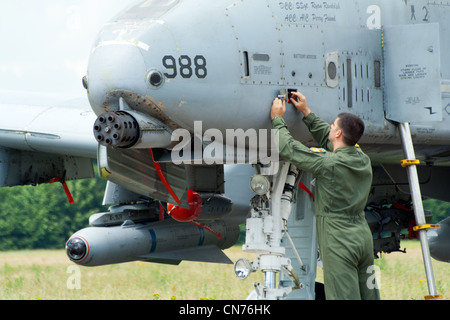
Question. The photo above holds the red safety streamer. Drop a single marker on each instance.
(163, 178)
(65, 187)
(175, 197)
(161, 212)
(411, 233)
(301, 185)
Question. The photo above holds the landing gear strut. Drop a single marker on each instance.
(267, 235)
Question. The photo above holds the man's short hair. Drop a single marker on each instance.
(352, 128)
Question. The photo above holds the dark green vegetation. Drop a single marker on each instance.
(41, 217)
(440, 209)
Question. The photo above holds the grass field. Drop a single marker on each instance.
(48, 275)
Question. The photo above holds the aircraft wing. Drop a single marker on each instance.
(43, 137)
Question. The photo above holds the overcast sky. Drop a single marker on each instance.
(45, 44)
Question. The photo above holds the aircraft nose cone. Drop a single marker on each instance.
(115, 66)
(77, 249)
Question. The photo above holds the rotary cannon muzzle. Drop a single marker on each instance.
(116, 129)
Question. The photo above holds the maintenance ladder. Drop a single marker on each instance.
(410, 164)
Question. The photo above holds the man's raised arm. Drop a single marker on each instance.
(318, 128)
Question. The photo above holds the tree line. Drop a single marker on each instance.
(41, 217)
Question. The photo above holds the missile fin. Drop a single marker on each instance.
(202, 254)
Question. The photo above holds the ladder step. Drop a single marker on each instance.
(406, 163)
(426, 226)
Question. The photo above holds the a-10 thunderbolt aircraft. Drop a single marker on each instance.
(180, 94)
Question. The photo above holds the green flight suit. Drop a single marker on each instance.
(343, 181)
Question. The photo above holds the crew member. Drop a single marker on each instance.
(343, 179)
